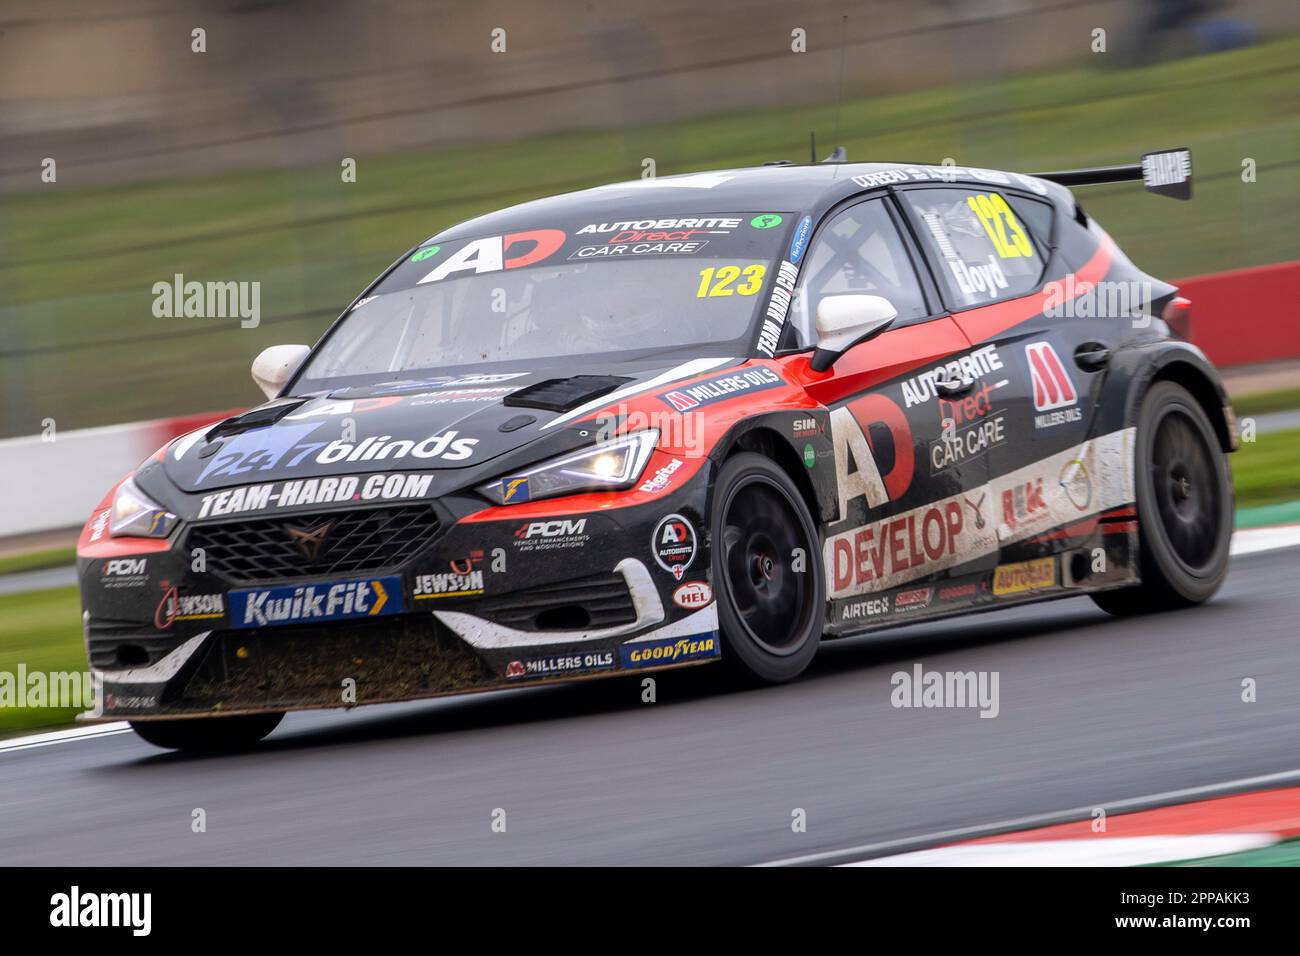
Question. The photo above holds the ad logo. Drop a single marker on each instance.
(673, 544)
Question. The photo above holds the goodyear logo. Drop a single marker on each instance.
(670, 650)
(1024, 576)
(304, 604)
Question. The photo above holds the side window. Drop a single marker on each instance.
(980, 249)
(858, 251)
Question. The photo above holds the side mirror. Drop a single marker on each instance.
(845, 320)
(276, 365)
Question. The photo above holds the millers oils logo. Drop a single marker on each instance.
(670, 650)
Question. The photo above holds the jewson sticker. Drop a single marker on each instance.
(305, 603)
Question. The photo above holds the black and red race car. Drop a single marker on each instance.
(723, 415)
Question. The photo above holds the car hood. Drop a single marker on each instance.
(449, 422)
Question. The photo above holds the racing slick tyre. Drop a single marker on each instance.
(207, 733)
(766, 571)
(1184, 506)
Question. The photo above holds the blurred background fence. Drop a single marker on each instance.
(225, 165)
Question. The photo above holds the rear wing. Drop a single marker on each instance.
(1165, 173)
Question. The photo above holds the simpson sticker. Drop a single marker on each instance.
(722, 387)
(1024, 576)
(313, 491)
(778, 307)
(300, 604)
(669, 651)
(673, 544)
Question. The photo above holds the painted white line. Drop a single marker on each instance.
(928, 840)
(1253, 540)
(64, 736)
(1099, 851)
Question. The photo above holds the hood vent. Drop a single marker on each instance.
(258, 417)
(564, 394)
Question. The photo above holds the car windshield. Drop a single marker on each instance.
(622, 288)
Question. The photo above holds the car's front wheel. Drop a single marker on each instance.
(766, 570)
(1184, 505)
(207, 733)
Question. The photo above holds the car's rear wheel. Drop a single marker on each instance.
(766, 569)
(1184, 504)
(207, 733)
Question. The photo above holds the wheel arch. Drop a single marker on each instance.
(1187, 366)
(765, 439)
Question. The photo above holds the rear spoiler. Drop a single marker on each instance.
(1165, 173)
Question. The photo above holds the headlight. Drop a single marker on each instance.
(136, 515)
(611, 465)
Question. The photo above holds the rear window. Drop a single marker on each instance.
(981, 249)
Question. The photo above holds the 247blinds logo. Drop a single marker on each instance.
(1055, 397)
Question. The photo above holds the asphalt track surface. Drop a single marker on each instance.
(1093, 710)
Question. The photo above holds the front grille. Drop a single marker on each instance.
(355, 542)
(598, 601)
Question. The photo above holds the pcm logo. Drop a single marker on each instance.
(551, 529)
(124, 567)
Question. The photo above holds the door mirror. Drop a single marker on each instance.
(276, 365)
(845, 320)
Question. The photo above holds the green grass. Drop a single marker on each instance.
(42, 631)
(1282, 400)
(79, 265)
(1267, 470)
(38, 560)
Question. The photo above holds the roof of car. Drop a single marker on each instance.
(785, 188)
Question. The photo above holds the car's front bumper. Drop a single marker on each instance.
(487, 604)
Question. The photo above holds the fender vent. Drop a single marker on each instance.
(599, 601)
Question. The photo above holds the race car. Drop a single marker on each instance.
(720, 416)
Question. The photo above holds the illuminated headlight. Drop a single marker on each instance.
(136, 515)
(609, 466)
